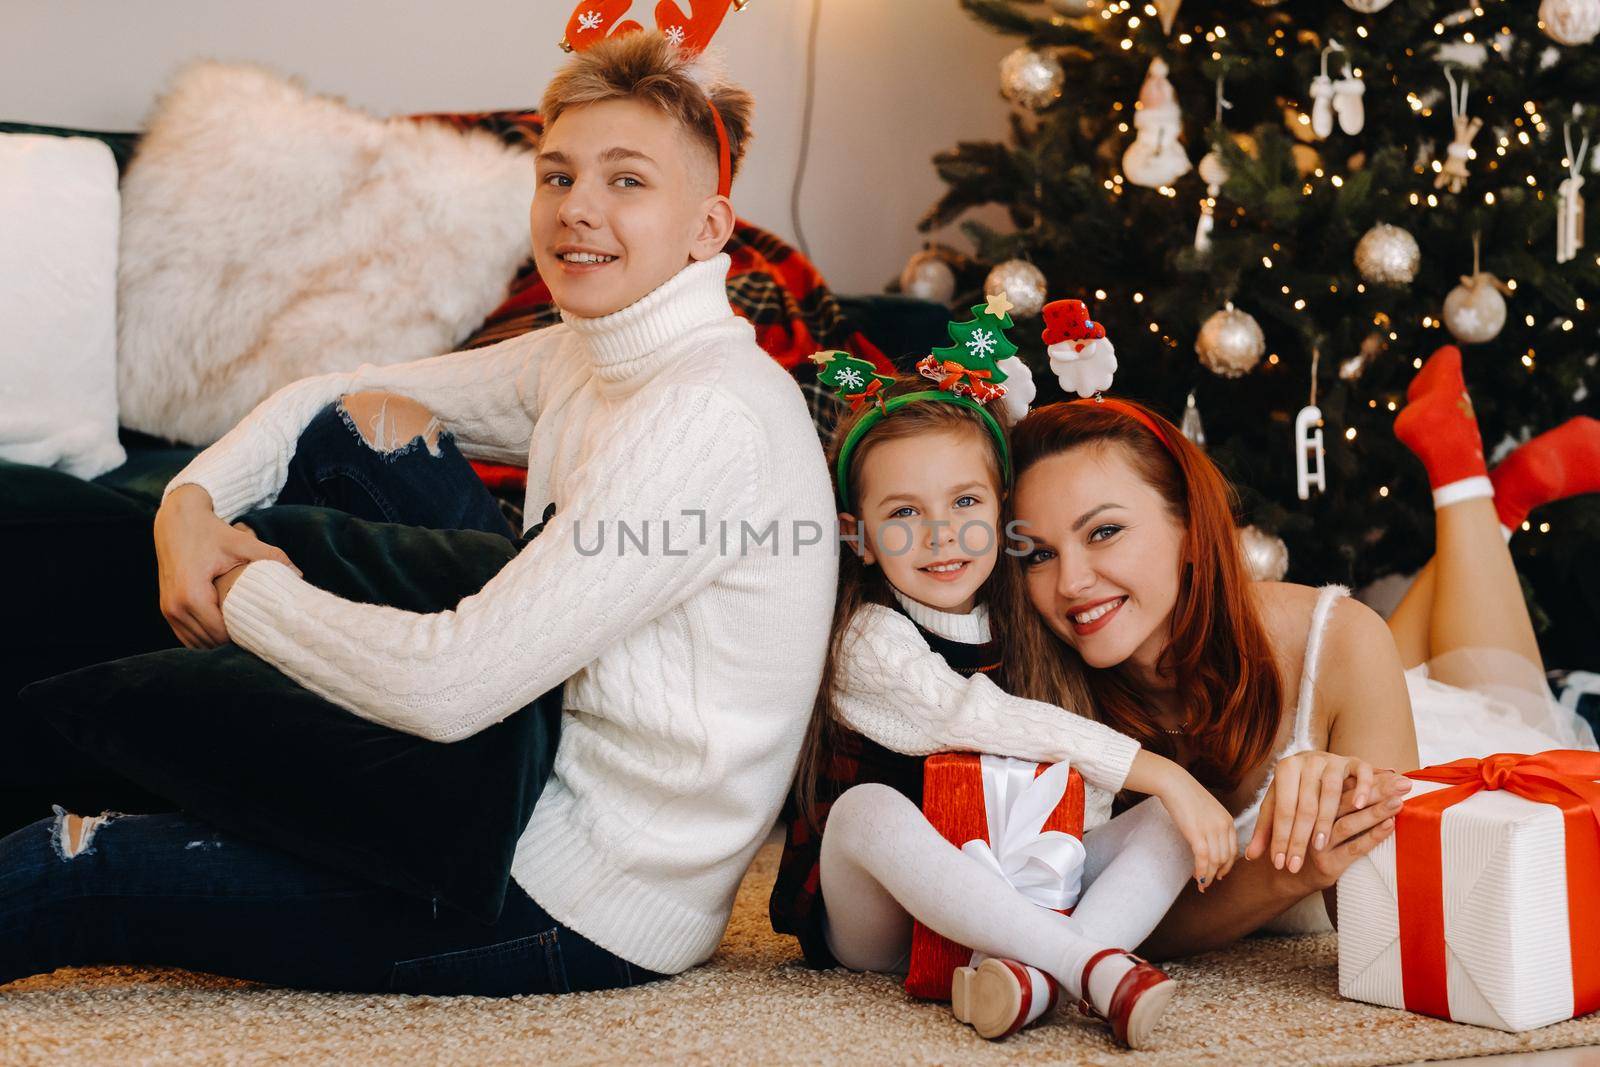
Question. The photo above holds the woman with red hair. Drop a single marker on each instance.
(1130, 558)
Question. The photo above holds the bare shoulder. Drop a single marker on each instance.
(1285, 610)
(1356, 632)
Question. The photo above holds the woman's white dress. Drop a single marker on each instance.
(1501, 703)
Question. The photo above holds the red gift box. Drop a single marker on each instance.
(1023, 819)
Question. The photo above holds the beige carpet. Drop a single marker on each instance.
(1268, 1001)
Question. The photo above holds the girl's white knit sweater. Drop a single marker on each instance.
(895, 690)
(690, 664)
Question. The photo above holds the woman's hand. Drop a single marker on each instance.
(1200, 817)
(1302, 802)
(193, 549)
(1356, 831)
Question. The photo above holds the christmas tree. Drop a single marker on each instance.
(1426, 142)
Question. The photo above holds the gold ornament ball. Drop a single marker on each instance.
(1230, 343)
(1475, 312)
(1388, 255)
(928, 277)
(1570, 22)
(1072, 8)
(1306, 159)
(1031, 78)
(1023, 283)
(1266, 557)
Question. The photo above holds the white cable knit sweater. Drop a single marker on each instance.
(895, 690)
(690, 666)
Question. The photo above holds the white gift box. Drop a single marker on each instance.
(1507, 952)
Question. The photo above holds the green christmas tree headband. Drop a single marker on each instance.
(967, 372)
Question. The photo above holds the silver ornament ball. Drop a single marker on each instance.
(1031, 78)
(1230, 343)
(1367, 7)
(1266, 557)
(1388, 255)
(1022, 282)
(1072, 8)
(1570, 22)
(928, 277)
(1213, 171)
(1475, 312)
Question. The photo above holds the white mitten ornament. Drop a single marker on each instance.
(1341, 99)
(1081, 355)
(1322, 106)
(1347, 103)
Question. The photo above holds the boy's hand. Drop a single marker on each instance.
(193, 549)
(225, 582)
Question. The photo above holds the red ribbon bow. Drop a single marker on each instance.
(868, 395)
(1564, 778)
(955, 378)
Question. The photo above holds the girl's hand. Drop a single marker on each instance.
(1204, 823)
(1302, 802)
(1202, 820)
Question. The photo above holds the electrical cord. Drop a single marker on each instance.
(805, 128)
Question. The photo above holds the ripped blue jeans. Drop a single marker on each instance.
(334, 467)
(169, 890)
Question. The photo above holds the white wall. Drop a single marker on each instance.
(896, 81)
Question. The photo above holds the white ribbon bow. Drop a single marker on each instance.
(1044, 866)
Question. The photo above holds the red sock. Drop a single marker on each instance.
(1553, 466)
(1443, 370)
(1439, 426)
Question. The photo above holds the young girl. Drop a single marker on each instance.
(920, 479)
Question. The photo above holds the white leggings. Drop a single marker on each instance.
(883, 863)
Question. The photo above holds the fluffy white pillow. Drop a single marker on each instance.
(268, 235)
(58, 312)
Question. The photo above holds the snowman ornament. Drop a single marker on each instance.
(1081, 355)
(1156, 158)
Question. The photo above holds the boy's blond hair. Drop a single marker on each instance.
(648, 68)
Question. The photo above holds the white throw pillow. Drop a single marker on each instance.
(58, 314)
(268, 235)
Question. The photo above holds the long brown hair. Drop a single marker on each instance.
(1222, 662)
(860, 584)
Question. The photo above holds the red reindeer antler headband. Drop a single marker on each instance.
(593, 21)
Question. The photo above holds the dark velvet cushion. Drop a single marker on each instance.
(229, 738)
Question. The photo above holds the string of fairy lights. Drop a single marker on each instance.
(1525, 128)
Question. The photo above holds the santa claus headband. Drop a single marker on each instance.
(1084, 361)
(594, 21)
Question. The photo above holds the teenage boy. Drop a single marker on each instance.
(690, 646)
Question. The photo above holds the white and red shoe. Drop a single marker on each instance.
(1138, 1002)
(999, 997)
